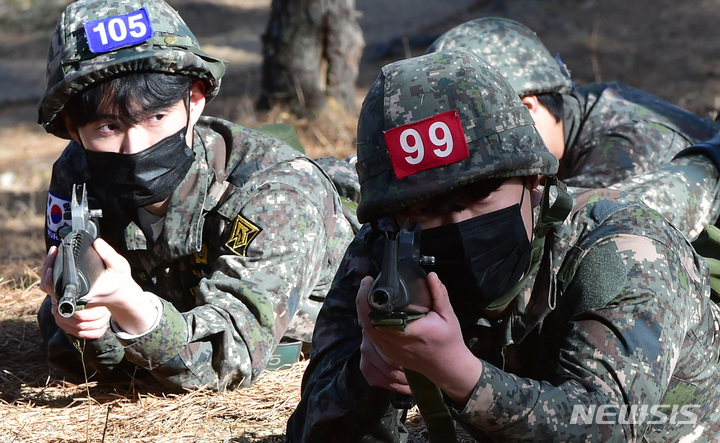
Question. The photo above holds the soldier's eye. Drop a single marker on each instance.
(449, 207)
(107, 128)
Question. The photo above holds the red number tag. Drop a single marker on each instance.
(435, 141)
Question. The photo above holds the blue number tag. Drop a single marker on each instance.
(115, 32)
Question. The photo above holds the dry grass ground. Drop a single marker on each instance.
(38, 405)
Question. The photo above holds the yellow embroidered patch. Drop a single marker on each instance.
(201, 257)
(243, 232)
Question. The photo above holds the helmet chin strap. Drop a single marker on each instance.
(532, 217)
(187, 109)
(550, 217)
(553, 214)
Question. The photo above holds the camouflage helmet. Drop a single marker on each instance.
(437, 122)
(97, 40)
(514, 50)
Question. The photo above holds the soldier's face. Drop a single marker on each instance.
(109, 133)
(455, 207)
(551, 130)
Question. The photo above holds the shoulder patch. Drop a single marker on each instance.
(242, 234)
(599, 278)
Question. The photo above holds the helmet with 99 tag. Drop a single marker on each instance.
(434, 123)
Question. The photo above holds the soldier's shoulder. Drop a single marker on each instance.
(605, 213)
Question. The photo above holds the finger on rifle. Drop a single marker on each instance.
(46, 274)
(440, 299)
(110, 256)
(361, 302)
(378, 371)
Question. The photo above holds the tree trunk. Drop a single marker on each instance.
(311, 52)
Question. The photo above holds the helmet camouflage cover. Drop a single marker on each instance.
(514, 50)
(97, 40)
(433, 123)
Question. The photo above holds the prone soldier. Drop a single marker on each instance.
(550, 306)
(219, 241)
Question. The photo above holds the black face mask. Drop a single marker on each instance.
(146, 177)
(479, 259)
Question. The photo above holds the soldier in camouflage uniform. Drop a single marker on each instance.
(219, 240)
(555, 314)
(603, 133)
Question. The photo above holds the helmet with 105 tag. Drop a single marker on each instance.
(434, 123)
(97, 40)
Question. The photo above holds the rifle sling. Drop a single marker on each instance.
(435, 413)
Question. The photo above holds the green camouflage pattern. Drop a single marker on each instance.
(251, 241)
(412, 90)
(72, 67)
(685, 191)
(634, 327)
(344, 176)
(514, 50)
(614, 132)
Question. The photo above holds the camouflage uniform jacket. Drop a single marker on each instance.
(615, 312)
(250, 243)
(614, 132)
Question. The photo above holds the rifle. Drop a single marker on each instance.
(401, 282)
(77, 264)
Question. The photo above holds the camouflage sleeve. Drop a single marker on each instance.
(685, 191)
(337, 404)
(618, 153)
(101, 359)
(620, 354)
(343, 174)
(281, 231)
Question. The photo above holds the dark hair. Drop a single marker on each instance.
(132, 98)
(553, 101)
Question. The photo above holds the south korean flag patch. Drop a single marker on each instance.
(55, 216)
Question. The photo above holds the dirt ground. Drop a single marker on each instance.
(667, 47)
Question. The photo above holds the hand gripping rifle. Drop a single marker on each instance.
(77, 265)
(398, 289)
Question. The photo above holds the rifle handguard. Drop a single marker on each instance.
(82, 270)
